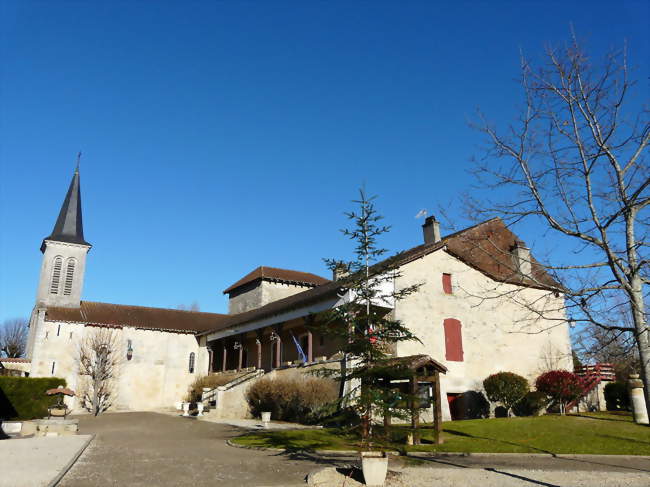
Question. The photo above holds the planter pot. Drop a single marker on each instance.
(199, 408)
(266, 416)
(375, 467)
(178, 405)
(186, 409)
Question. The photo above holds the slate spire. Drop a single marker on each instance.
(69, 225)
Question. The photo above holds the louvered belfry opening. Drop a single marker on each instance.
(56, 275)
(69, 277)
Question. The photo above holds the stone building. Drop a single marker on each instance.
(484, 305)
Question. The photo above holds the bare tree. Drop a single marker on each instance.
(99, 361)
(574, 162)
(13, 337)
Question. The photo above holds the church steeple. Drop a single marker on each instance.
(64, 254)
(69, 225)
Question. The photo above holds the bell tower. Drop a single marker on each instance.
(64, 254)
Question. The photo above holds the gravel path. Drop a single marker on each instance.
(475, 477)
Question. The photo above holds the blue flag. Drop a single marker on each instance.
(303, 357)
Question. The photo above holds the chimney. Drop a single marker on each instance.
(521, 258)
(340, 271)
(431, 230)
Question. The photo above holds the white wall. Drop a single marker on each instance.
(498, 333)
(155, 377)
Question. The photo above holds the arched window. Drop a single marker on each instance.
(192, 363)
(56, 274)
(69, 276)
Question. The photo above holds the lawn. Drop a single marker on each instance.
(598, 433)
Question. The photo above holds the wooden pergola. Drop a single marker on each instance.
(415, 369)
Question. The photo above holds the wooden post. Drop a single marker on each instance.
(437, 412)
(415, 413)
(310, 348)
(258, 342)
(225, 356)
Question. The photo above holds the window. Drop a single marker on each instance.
(191, 363)
(453, 340)
(69, 275)
(56, 274)
(446, 284)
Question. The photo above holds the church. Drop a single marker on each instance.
(484, 305)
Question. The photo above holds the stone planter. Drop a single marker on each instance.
(186, 409)
(266, 416)
(199, 408)
(178, 405)
(375, 467)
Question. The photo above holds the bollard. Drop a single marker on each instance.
(637, 400)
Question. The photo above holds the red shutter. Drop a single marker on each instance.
(453, 340)
(446, 283)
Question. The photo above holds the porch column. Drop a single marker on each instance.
(258, 343)
(210, 359)
(241, 355)
(225, 356)
(278, 350)
(310, 348)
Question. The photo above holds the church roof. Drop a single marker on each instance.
(69, 225)
(279, 275)
(486, 247)
(136, 316)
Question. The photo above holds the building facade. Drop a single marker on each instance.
(484, 305)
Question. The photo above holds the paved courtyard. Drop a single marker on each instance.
(147, 449)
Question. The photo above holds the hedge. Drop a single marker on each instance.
(24, 397)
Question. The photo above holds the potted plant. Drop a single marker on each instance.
(186, 408)
(199, 408)
(266, 416)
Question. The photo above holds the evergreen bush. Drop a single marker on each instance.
(531, 404)
(24, 397)
(506, 388)
(616, 396)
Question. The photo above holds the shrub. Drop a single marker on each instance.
(560, 385)
(506, 388)
(24, 397)
(301, 399)
(616, 396)
(531, 404)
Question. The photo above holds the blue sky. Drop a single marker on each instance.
(219, 136)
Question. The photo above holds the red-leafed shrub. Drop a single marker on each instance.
(560, 385)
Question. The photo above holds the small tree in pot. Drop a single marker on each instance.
(364, 328)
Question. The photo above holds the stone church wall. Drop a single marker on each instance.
(156, 376)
